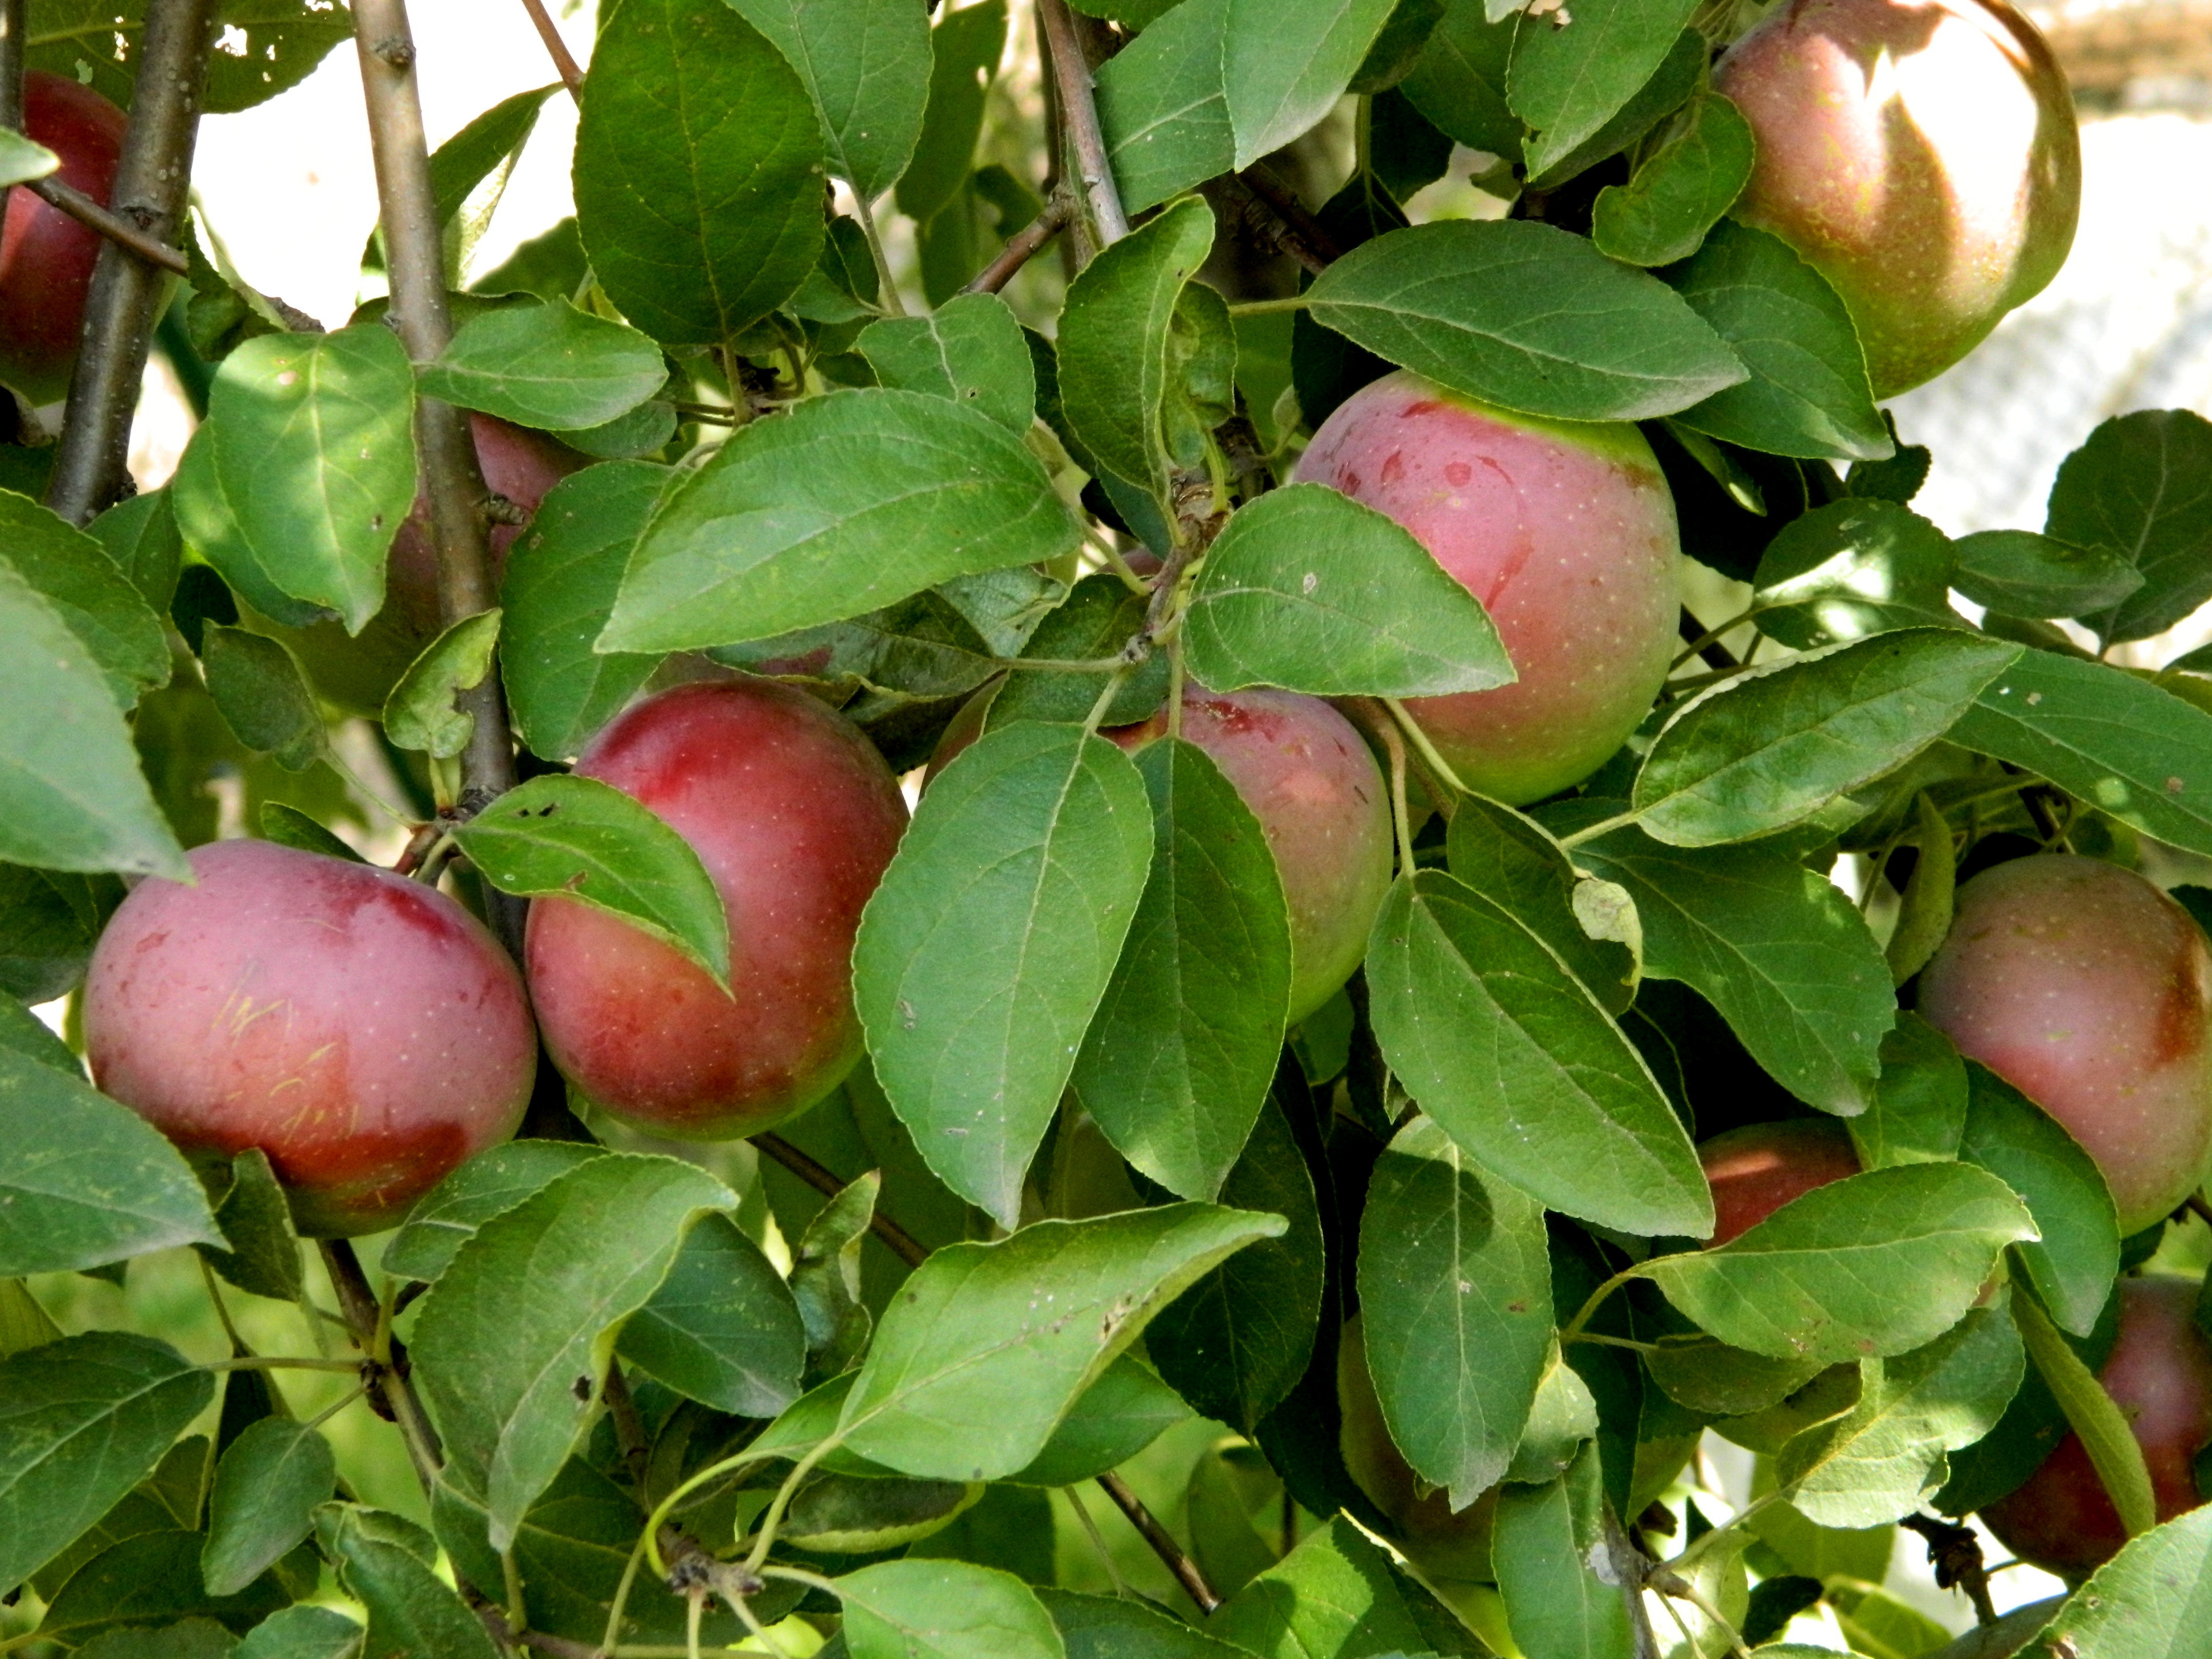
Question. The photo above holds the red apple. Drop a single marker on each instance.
(795, 815)
(1321, 803)
(2090, 991)
(1755, 1170)
(1565, 530)
(363, 1029)
(2159, 1375)
(1921, 155)
(46, 257)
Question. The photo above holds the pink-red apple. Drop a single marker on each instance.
(1754, 1171)
(46, 257)
(1565, 530)
(363, 1029)
(795, 815)
(1921, 155)
(2090, 991)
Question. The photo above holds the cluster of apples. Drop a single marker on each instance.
(370, 1035)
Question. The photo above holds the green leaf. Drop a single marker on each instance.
(965, 47)
(2140, 489)
(1546, 1538)
(1459, 83)
(547, 366)
(1335, 1597)
(1919, 1108)
(302, 1633)
(491, 1183)
(420, 714)
(1681, 189)
(487, 148)
(774, 534)
(1808, 394)
(2152, 1600)
(2074, 1264)
(1567, 81)
(1285, 63)
(698, 171)
(1853, 567)
(1873, 1264)
(1673, 83)
(287, 826)
(72, 794)
(23, 1033)
(560, 584)
(2017, 573)
(153, 1578)
(263, 1258)
(1176, 1062)
(1884, 1458)
(140, 534)
(1515, 862)
(1115, 371)
(1507, 1050)
(722, 1328)
(1924, 910)
(262, 695)
(1099, 618)
(86, 1181)
(2105, 1433)
(1455, 1299)
(1308, 590)
(2116, 742)
(986, 1346)
(1527, 316)
(1115, 1419)
(513, 1341)
(970, 350)
(22, 161)
(302, 472)
(263, 1503)
(276, 43)
(1777, 948)
(1769, 749)
(944, 1610)
(983, 954)
(1236, 1343)
(866, 66)
(389, 1566)
(1113, 1627)
(49, 922)
(95, 600)
(577, 838)
(81, 1422)
(1164, 105)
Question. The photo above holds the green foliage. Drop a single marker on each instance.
(549, 366)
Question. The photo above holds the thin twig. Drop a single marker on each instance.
(1705, 643)
(1078, 108)
(1059, 211)
(629, 1428)
(364, 1318)
(82, 208)
(572, 74)
(1163, 1545)
(153, 183)
(900, 1243)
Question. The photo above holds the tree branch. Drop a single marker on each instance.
(389, 1381)
(900, 1243)
(572, 75)
(1274, 217)
(1163, 1543)
(152, 183)
(86, 211)
(1060, 212)
(1078, 108)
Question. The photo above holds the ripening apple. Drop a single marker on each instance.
(1756, 1170)
(1321, 803)
(2159, 1375)
(795, 815)
(2090, 991)
(362, 1029)
(46, 257)
(1921, 155)
(1564, 529)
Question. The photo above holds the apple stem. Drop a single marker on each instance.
(152, 185)
(1078, 112)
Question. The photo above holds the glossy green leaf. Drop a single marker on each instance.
(1117, 1627)
(267, 1487)
(304, 1632)
(698, 170)
(1885, 1457)
(866, 67)
(470, 173)
(1567, 79)
(1459, 83)
(513, 1341)
(2140, 489)
(970, 349)
(2116, 742)
(576, 838)
(1769, 749)
(1285, 63)
(1515, 862)
(1455, 1301)
(421, 713)
(389, 1564)
(1115, 1419)
(1307, 589)
(297, 481)
(989, 1345)
(1873, 1264)
(1681, 189)
(81, 1422)
(1527, 316)
(839, 507)
(1164, 105)
(1546, 1538)
(944, 1610)
(860, 1514)
(964, 47)
(1778, 948)
(1920, 1107)
(983, 954)
(2152, 1600)
(491, 1183)
(2074, 1264)
(86, 1181)
(91, 593)
(262, 694)
(1177, 1060)
(722, 1328)
(2104, 1431)
(547, 366)
(150, 1579)
(2018, 573)
(1852, 568)
(1335, 1597)
(1678, 76)
(254, 1215)
(1509, 1052)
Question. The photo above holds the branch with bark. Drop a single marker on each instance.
(1078, 112)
